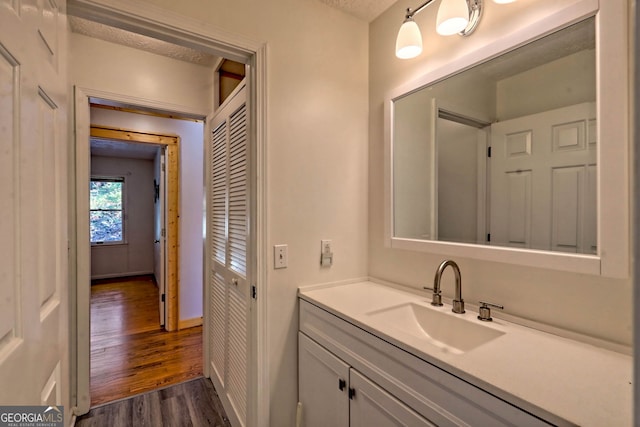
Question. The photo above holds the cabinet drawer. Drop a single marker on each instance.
(432, 392)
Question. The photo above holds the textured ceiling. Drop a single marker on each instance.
(137, 41)
(560, 44)
(129, 150)
(367, 10)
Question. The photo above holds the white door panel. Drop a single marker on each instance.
(323, 385)
(160, 242)
(33, 204)
(372, 406)
(543, 181)
(218, 327)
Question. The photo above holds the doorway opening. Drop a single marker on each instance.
(153, 22)
(461, 150)
(141, 250)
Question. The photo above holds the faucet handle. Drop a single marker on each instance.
(436, 299)
(485, 311)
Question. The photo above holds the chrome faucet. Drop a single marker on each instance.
(458, 302)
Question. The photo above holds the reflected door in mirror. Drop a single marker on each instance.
(543, 181)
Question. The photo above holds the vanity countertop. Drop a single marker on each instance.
(580, 383)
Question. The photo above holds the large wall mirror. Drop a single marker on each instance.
(505, 154)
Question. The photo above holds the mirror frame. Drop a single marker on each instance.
(612, 92)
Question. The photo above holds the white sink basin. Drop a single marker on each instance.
(450, 332)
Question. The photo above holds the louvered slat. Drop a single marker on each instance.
(219, 318)
(237, 380)
(219, 193)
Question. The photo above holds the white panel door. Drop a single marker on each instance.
(543, 181)
(229, 272)
(34, 338)
(160, 239)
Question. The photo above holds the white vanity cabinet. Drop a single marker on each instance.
(334, 394)
(323, 385)
(392, 386)
(373, 406)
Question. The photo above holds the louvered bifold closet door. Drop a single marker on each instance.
(229, 285)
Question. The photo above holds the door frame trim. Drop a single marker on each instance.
(172, 253)
(159, 23)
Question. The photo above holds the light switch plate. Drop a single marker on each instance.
(280, 256)
(326, 253)
(325, 247)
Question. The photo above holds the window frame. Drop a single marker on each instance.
(110, 178)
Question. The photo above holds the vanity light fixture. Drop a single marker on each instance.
(454, 16)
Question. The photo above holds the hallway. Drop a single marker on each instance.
(130, 352)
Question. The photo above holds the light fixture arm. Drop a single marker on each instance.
(417, 10)
(475, 13)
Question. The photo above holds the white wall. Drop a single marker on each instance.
(555, 298)
(135, 256)
(567, 81)
(109, 67)
(191, 195)
(317, 83)
(457, 182)
(413, 166)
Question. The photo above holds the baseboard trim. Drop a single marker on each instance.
(125, 274)
(190, 323)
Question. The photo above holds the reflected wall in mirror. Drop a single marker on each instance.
(503, 153)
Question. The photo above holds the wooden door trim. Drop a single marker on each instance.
(172, 143)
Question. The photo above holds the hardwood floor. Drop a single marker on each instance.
(192, 403)
(130, 353)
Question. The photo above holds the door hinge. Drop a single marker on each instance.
(162, 297)
(254, 292)
(163, 167)
(164, 232)
(488, 151)
(489, 237)
(352, 393)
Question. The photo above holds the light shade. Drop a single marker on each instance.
(503, 1)
(453, 17)
(409, 41)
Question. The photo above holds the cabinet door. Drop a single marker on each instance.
(323, 386)
(372, 406)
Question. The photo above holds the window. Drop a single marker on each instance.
(106, 210)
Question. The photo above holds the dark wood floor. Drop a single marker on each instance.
(192, 403)
(130, 353)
